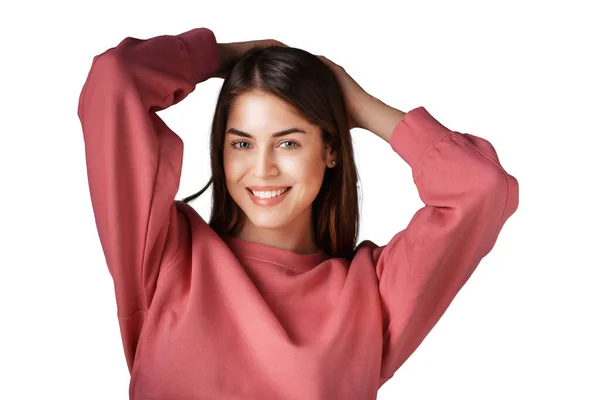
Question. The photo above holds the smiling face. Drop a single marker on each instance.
(268, 144)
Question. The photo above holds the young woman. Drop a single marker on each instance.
(272, 298)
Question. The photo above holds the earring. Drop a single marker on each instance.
(333, 162)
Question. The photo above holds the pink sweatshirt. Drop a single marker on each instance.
(209, 317)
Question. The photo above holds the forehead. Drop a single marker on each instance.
(258, 111)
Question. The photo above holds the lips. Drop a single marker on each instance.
(254, 189)
(267, 188)
(268, 201)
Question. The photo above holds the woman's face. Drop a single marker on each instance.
(255, 155)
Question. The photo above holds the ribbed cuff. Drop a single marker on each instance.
(414, 135)
(201, 47)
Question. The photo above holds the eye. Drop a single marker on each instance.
(241, 142)
(291, 145)
(294, 145)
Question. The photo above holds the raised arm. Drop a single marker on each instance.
(468, 197)
(134, 160)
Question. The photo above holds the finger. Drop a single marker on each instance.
(324, 59)
(327, 61)
(278, 43)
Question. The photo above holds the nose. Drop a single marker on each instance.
(264, 164)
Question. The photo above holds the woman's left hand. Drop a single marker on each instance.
(354, 95)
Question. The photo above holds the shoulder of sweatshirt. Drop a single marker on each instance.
(431, 150)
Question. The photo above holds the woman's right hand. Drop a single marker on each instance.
(230, 53)
(355, 97)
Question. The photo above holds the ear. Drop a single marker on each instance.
(331, 158)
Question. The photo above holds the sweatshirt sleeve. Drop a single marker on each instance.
(134, 160)
(468, 197)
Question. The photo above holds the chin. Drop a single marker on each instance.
(264, 219)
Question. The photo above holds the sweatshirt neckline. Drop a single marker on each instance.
(283, 257)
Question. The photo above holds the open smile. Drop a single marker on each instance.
(268, 201)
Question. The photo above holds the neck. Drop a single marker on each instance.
(297, 237)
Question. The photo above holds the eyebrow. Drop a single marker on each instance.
(289, 131)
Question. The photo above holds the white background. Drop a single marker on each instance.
(523, 75)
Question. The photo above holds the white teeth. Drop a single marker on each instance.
(268, 195)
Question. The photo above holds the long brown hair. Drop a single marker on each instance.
(302, 80)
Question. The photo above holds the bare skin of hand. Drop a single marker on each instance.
(354, 95)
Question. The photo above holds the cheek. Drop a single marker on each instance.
(309, 173)
(233, 168)
(233, 174)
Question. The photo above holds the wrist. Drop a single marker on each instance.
(380, 118)
(368, 105)
(360, 112)
(225, 53)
